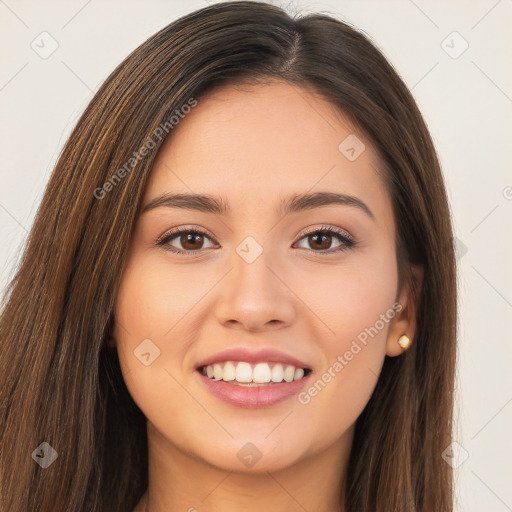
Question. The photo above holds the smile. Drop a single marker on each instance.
(257, 385)
(253, 374)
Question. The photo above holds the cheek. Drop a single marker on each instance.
(155, 308)
(145, 319)
(355, 302)
(350, 297)
(153, 298)
(142, 317)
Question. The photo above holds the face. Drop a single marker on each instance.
(260, 277)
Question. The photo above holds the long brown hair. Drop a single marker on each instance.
(62, 384)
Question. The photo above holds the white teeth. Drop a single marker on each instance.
(217, 371)
(299, 373)
(277, 373)
(289, 373)
(245, 373)
(229, 372)
(261, 373)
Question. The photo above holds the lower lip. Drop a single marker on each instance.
(252, 397)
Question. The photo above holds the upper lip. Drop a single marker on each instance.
(252, 356)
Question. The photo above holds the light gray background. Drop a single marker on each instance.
(466, 101)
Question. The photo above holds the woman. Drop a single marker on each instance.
(239, 289)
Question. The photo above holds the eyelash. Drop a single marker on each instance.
(347, 241)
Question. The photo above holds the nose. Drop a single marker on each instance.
(255, 296)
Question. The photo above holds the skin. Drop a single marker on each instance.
(253, 145)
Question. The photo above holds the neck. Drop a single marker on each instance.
(180, 481)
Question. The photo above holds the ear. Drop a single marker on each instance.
(404, 321)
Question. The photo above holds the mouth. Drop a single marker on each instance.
(254, 385)
(242, 377)
(253, 374)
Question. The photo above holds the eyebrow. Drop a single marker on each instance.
(295, 203)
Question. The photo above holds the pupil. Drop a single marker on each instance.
(189, 239)
(325, 238)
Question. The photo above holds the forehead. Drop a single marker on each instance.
(255, 144)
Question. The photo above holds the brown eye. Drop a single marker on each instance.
(191, 241)
(322, 239)
(185, 240)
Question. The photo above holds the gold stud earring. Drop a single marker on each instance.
(404, 341)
